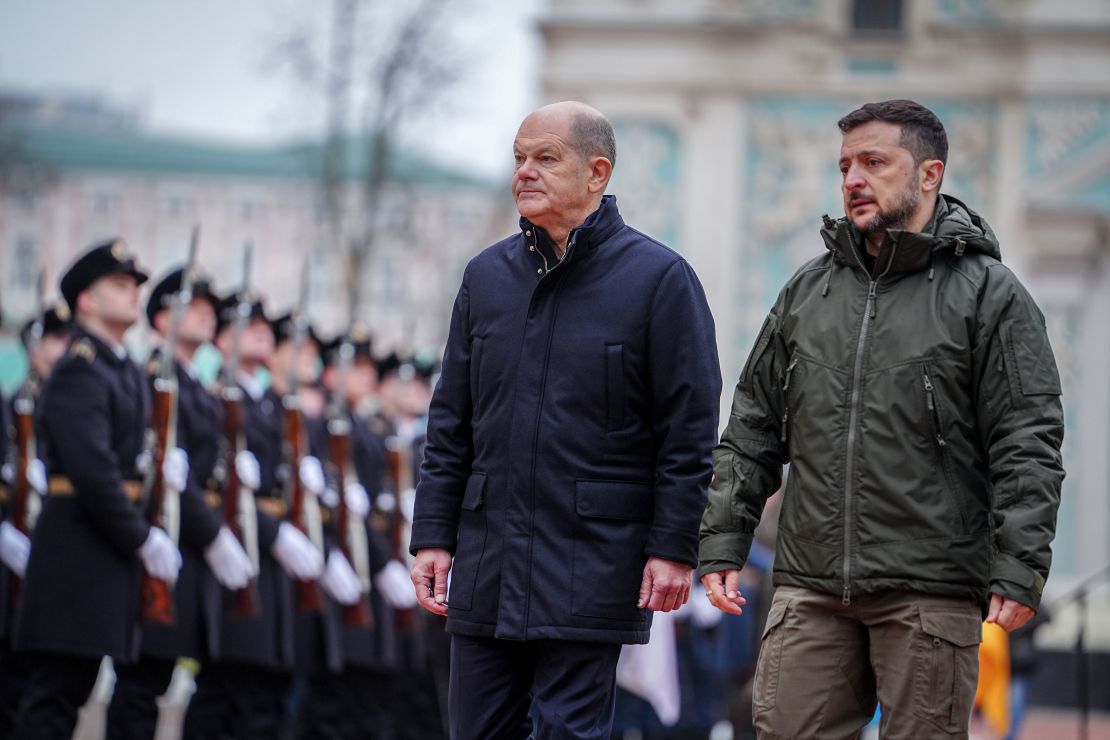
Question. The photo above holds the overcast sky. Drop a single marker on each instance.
(199, 68)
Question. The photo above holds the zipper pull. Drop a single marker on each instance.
(872, 299)
(847, 599)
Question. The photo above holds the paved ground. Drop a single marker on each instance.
(1040, 725)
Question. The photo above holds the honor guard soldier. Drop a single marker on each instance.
(44, 339)
(421, 646)
(91, 543)
(188, 320)
(350, 698)
(242, 687)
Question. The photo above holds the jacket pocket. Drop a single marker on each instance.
(766, 682)
(1030, 365)
(614, 386)
(614, 518)
(786, 399)
(940, 444)
(947, 662)
(471, 544)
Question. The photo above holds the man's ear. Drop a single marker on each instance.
(931, 172)
(601, 169)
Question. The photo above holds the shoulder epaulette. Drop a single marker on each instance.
(84, 349)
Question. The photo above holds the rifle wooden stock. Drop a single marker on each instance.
(307, 593)
(339, 451)
(156, 596)
(244, 602)
(24, 451)
(400, 475)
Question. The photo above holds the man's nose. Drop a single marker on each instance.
(853, 179)
(526, 170)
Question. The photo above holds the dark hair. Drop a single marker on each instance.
(592, 135)
(922, 132)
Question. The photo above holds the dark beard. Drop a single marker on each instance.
(897, 216)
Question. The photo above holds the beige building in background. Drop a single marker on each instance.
(76, 175)
(726, 113)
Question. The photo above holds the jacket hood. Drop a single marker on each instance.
(954, 228)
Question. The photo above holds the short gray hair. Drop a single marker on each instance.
(592, 136)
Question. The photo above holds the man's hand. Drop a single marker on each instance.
(429, 578)
(666, 585)
(723, 590)
(1007, 613)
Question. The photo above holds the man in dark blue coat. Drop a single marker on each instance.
(569, 446)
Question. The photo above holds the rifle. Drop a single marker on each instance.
(307, 593)
(339, 457)
(23, 406)
(399, 447)
(157, 596)
(245, 601)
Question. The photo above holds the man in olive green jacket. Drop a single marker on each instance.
(907, 378)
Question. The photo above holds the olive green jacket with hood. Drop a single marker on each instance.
(919, 409)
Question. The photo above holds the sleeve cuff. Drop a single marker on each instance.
(1015, 580)
(724, 551)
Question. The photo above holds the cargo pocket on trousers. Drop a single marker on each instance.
(471, 545)
(766, 682)
(947, 667)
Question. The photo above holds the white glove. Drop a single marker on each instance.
(160, 556)
(248, 470)
(312, 475)
(358, 502)
(296, 553)
(229, 561)
(175, 469)
(329, 498)
(15, 548)
(36, 475)
(340, 581)
(394, 583)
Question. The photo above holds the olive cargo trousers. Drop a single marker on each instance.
(823, 665)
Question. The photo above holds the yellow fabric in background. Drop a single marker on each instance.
(992, 697)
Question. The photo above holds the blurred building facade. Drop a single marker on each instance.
(726, 113)
(75, 170)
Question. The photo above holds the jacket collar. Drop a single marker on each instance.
(109, 352)
(598, 227)
(953, 227)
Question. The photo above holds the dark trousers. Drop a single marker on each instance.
(567, 687)
(133, 713)
(13, 679)
(57, 686)
(352, 705)
(236, 700)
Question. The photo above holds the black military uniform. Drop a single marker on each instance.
(242, 685)
(80, 598)
(55, 321)
(349, 696)
(416, 646)
(133, 712)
